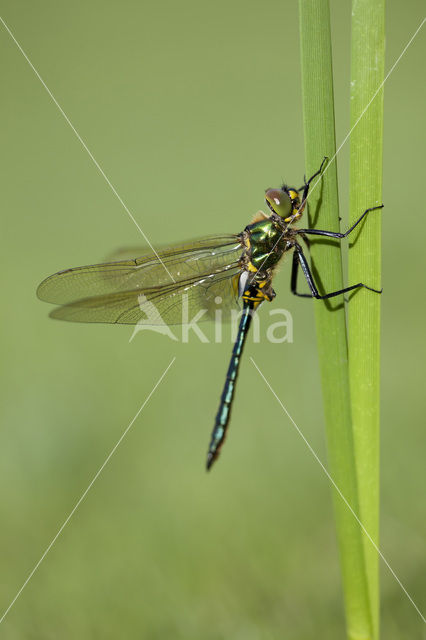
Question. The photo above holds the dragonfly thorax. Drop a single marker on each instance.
(266, 243)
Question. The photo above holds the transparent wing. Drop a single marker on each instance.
(183, 262)
(174, 303)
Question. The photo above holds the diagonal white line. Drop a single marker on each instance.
(84, 494)
(86, 148)
(340, 492)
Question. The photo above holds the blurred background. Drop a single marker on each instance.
(192, 110)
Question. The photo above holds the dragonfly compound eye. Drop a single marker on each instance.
(279, 202)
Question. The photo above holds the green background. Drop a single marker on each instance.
(192, 109)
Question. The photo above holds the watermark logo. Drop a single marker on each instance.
(276, 326)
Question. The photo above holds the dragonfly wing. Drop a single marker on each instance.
(176, 264)
(173, 303)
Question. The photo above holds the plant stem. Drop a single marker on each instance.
(367, 72)
(318, 116)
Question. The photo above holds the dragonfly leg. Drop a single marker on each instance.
(300, 258)
(306, 240)
(335, 234)
(294, 272)
(306, 183)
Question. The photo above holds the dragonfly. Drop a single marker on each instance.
(227, 272)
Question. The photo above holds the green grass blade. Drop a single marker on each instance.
(318, 116)
(366, 144)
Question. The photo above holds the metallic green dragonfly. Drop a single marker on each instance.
(219, 272)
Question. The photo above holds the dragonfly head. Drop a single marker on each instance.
(284, 202)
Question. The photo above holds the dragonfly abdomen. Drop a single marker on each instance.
(224, 412)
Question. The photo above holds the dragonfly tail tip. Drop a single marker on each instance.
(210, 459)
